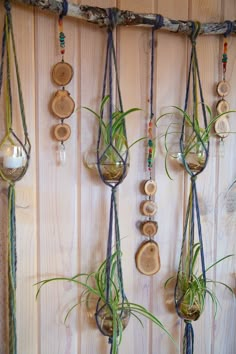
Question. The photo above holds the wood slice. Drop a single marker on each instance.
(62, 104)
(150, 187)
(222, 127)
(148, 258)
(148, 208)
(62, 132)
(149, 228)
(222, 106)
(223, 88)
(62, 73)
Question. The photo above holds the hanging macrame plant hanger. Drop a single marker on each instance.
(187, 309)
(14, 159)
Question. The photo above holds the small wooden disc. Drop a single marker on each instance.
(222, 127)
(148, 258)
(62, 104)
(150, 187)
(148, 208)
(149, 228)
(223, 88)
(62, 73)
(62, 132)
(222, 106)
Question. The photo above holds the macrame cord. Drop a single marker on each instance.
(10, 137)
(193, 204)
(111, 63)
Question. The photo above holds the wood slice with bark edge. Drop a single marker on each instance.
(62, 104)
(223, 88)
(147, 258)
(148, 208)
(222, 106)
(149, 228)
(149, 187)
(62, 132)
(222, 127)
(62, 73)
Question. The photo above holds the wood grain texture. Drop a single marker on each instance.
(62, 213)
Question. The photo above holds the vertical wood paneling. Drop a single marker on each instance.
(63, 228)
(134, 72)
(169, 92)
(57, 188)
(225, 322)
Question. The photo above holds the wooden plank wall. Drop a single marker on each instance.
(62, 211)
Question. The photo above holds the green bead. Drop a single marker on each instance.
(150, 143)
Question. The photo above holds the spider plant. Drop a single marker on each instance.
(191, 288)
(112, 315)
(196, 138)
(113, 150)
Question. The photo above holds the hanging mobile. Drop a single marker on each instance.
(222, 127)
(147, 256)
(62, 104)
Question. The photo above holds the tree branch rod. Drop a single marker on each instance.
(100, 17)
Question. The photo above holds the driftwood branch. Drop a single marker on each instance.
(100, 17)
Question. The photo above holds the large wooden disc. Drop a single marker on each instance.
(149, 228)
(222, 106)
(148, 208)
(62, 73)
(148, 258)
(223, 88)
(62, 132)
(150, 187)
(62, 104)
(222, 127)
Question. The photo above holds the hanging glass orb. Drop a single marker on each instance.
(112, 166)
(104, 318)
(13, 160)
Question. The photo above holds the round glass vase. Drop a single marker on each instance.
(105, 320)
(113, 166)
(189, 311)
(12, 160)
(195, 157)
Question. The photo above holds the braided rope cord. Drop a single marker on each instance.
(8, 45)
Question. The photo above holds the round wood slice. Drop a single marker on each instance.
(149, 228)
(148, 208)
(150, 187)
(62, 132)
(62, 104)
(148, 258)
(222, 127)
(62, 73)
(222, 106)
(223, 88)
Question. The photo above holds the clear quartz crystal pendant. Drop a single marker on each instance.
(61, 154)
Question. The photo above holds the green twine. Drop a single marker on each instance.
(12, 269)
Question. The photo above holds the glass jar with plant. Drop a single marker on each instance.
(112, 313)
(113, 148)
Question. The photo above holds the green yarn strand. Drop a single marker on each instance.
(12, 269)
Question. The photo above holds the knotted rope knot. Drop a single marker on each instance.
(159, 22)
(229, 27)
(110, 340)
(196, 26)
(193, 178)
(112, 16)
(64, 9)
(7, 5)
(188, 321)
